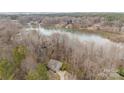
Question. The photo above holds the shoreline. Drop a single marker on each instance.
(113, 36)
(117, 37)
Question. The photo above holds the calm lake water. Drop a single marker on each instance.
(82, 37)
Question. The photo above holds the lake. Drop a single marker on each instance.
(73, 35)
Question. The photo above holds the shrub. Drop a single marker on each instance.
(19, 54)
(6, 69)
(66, 66)
(40, 73)
(121, 71)
(80, 73)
